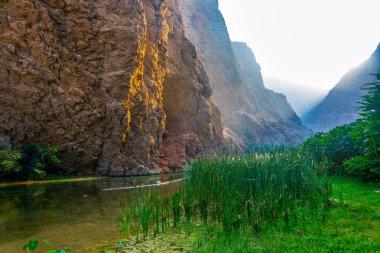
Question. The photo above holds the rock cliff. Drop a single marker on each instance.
(339, 107)
(115, 85)
(128, 87)
(252, 115)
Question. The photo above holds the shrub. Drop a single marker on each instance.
(37, 160)
(33, 162)
(9, 164)
(355, 148)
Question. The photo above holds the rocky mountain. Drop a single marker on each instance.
(115, 85)
(339, 107)
(132, 87)
(252, 115)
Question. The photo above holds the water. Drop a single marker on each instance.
(75, 214)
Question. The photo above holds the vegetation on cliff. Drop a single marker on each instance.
(31, 162)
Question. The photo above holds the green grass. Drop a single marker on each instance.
(353, 225)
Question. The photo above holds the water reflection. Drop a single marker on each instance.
(62, 212)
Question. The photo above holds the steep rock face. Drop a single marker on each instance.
(193, 122)
(339, 107)
(278, 123)
(252, 115)
(95, 78)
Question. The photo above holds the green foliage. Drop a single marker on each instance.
(176, 207)
(33, 162)
(32, 245)
(9, 163)
(145, 214)
(354, 148)
(37, 160)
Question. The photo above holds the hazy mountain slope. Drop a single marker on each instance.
(279, 119)
(339, 107)
(302, 97)
(251, 114)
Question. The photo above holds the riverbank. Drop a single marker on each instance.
(50, 179)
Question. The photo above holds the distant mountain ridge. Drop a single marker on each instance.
(252, 115)
(339, 107)
(303, 98)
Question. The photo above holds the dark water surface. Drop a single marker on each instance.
(75, 214)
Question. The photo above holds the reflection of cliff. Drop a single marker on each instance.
(63, 213)
(101, 80)
(251, 114)
(339, 107)
(39, 206)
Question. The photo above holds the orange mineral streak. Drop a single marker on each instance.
(139, 92)
(147, 92)
(137, 88)
(158, 75)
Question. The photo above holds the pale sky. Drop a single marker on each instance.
(308, 42)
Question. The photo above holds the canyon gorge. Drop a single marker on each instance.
(133, 87)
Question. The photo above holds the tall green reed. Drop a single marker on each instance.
(241, 192)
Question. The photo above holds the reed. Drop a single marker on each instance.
(246, 192)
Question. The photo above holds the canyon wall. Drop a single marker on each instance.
(115, 85)
(128, 87)
(252, 115)
(340, 106)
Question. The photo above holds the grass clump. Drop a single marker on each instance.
(251, 192)
(352, 226)
(237, 195)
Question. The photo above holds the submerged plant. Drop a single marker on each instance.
(32, 245)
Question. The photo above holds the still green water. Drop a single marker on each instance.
(79, 215)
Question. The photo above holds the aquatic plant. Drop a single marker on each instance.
(32, 245)
(250, 192)
(176, 207)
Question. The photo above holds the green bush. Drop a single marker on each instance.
(9, 164)
(32, 162)
(37, 160)
(355, 148)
